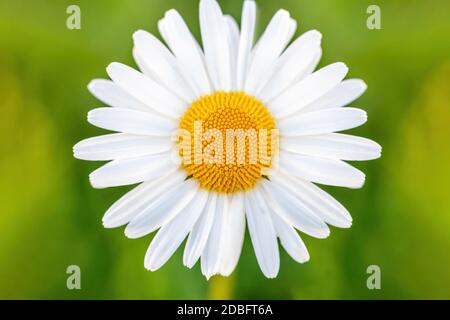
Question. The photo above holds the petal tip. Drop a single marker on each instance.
(305, 259)
(138, 33)
(129, 234)
(76, 153)
(109, 223)
(283, 12)
(326, 233)
(271, 275)
(316, 34)
(150, 264)
(342, 66)
(378, 150)
(171, 13)
(360, 182)
(92, 84)
(93, 182)
(113, 67)
(364, 85)
(345, 224)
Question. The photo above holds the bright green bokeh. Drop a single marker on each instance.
(51, 217)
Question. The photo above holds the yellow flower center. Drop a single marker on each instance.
(227, 141)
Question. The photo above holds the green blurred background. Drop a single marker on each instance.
(51, 218)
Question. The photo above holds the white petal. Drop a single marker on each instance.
(291, 209)
(343, 94)
(262, 233)
(246, 41)
(308, 90)
(199, 236)
(109, 93)
(313, 64)
(124, 172)
(290, 34)
(171, 235)
(211, 257)
(187, 51)
(330, 172)
(290, 240)
(131, 121)
(233, 34)
(322, 121)
(233, 42)
(333, 146)
(161, 64)
(147, 91)
(120, 146)
(142, 66)
(214, 30)
(162, 209)
(133, 202)
(292, 66)
(317, 200)
(234, 230)
(268, 49)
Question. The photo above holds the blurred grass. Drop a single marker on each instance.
(51, 218)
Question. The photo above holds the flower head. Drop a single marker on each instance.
(227, 135)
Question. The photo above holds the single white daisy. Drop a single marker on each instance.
(229, 84)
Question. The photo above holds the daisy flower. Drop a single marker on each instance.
(224, 136)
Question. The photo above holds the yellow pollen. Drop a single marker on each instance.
(227, 141)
